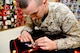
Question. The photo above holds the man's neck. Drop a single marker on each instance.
(46, 12)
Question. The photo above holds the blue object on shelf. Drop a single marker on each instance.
(78, 17)
(78, 11)
(66, 3)
(74, 10)
(70, 4)
(75, 4)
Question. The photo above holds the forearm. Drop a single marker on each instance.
(28, 29)
(72, 40)
(69, 42)
(29, 25)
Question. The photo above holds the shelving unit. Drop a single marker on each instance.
(10, 15)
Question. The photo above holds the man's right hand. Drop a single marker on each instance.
(25, 37)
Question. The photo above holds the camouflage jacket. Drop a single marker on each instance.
(60, 18)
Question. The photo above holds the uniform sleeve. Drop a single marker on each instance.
(70, 26)
(29, 25)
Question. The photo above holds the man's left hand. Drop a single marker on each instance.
(46, 44)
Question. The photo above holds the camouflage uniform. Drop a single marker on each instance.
(59, 18)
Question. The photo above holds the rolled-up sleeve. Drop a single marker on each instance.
(29, 25)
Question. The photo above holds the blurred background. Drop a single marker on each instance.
(12, 20)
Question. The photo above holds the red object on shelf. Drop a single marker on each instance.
(6, 7)
(4, 13)
(20, 16)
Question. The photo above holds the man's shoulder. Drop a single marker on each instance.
(55, 4)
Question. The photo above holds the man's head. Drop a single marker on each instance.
(24, 3)
(35, 8)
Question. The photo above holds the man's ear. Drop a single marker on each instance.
(44, 1)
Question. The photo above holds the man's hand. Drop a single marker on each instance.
(46, 44)
(25, 37)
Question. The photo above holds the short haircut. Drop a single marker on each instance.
(23, 3)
